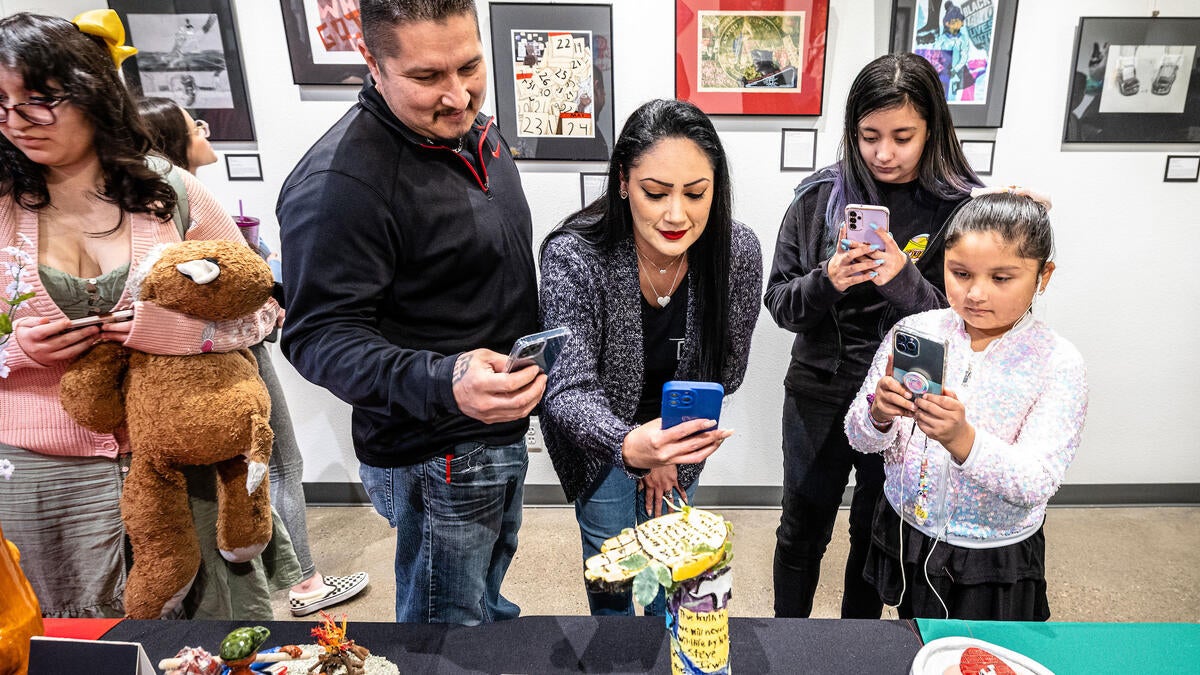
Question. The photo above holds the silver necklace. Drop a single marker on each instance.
(659, 297)
(661, 269)
(462, 140)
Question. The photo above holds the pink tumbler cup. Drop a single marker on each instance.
(249, 227)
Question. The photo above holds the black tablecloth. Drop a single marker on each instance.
(574, 644)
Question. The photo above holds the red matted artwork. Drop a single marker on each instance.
(751, 57)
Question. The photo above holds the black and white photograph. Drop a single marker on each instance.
(1134, 80)
(188, 52)
(180, 57)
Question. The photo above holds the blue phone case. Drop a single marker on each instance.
(683, 401)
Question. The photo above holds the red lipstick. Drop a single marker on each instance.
(673, 236)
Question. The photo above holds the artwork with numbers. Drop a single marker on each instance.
(553, 79)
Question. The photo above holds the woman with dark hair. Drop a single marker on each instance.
(657, 282)
(184, 141)
(78, 203)
(175, 135)
(840, 297)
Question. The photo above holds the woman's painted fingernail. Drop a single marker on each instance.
(874, 226)
(873, 274)
(881, 261)
(876, 247)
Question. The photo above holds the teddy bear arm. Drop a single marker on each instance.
(91, 390)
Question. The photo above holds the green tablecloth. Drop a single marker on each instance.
(1085, 647)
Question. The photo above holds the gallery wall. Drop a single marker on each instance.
(1125, 293)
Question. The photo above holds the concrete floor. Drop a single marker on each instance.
(1103, 564)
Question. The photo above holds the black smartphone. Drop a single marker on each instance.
(918, 362)
(540, 349)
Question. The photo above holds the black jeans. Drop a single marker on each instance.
(816, 468)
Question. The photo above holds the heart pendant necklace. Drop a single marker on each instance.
(661, 299)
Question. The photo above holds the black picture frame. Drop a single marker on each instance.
(989, 146)
(1182, 163)
(576, 103)
(1121, 88)
(789, 162)
(188, 51)
(243, 166)
(992, 69)
(321, 48)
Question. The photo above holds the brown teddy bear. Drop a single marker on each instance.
(204, 409)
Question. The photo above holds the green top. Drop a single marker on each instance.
(78, 297)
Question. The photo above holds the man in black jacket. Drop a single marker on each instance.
(408, 274)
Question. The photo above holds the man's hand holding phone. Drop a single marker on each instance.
(484, 391)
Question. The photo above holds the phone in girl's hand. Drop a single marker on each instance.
(860, 218)
(684, 401)
(111, 317)
(918, 362)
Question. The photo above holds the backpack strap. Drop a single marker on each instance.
(170, 173)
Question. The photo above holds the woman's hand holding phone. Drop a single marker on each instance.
(851, 262)
(50, 341)
(889, 261)
(650, 446)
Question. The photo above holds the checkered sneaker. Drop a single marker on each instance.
(335, 590)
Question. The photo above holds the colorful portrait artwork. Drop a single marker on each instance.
(334, 28)
(553, 80)
(751, 50)
(957, 38)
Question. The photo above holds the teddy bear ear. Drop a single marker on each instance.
(201, 271)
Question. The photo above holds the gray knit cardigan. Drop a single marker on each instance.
(594, 388)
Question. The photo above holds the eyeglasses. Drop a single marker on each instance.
(40, 113)
(201, 129)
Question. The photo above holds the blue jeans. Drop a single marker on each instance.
(454, 538)
(817, 459)
(610, 505)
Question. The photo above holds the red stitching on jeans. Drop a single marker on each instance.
(449, 458)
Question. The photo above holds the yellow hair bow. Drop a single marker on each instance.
(106, 25)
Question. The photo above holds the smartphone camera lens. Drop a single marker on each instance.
(529, 350)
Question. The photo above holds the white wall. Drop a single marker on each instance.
(1126, 292)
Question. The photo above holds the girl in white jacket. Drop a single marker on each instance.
(958, 532)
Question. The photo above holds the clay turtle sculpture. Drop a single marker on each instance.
(243, 642)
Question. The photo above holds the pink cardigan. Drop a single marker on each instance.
(31, 416)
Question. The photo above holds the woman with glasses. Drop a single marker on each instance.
(78, 203)
(175, 135)
(184, 141)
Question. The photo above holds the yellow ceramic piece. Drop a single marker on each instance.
(20, 615)
(688, 542)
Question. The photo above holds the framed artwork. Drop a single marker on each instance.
(969, 43)
(751, 57)
(980, 155)
(243, 166)
(554, 79)
(1134, 80)
(1182, 169)
(591, 187)
(188, 52)
(321, 36)
(798, 150)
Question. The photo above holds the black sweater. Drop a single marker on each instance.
(398, 255)
(837, 333)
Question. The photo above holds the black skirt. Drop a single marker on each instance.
(1007, 583)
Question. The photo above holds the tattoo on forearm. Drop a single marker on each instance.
(461, 366)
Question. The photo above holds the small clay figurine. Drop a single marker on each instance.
(241, 646)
